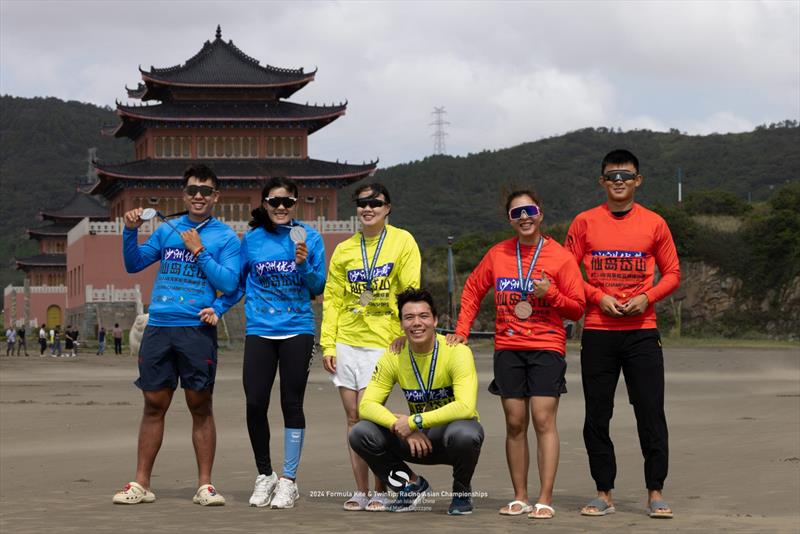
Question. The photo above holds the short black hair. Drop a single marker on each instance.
(202, 173)
(413, 294)
(619, 157)
(260, 217)
(376, 188)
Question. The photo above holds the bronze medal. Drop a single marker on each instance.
(366, 297)
(523, 309)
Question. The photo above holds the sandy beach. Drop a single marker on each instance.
(68, 432)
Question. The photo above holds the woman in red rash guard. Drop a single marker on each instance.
(537, 284)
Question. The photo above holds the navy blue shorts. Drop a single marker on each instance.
(169, 352)
(529, 373)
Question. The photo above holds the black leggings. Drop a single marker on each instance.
(261, 362)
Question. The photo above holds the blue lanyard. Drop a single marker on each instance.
(369, 271)
(426, 392)
(523, 284)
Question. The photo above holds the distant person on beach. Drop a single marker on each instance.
(359, 314)
(440, 385)
(199, 256)
(536, 286)
(69, 341)
(117, 333)
(42, 339)
(56, 333)
(282, 265)
(21, 345)
(620, 243)
(101, 341)
(11, 340)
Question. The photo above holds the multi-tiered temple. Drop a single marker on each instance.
(222, 108)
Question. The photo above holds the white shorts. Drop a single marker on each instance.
(354, 366)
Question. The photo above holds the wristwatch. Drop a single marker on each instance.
(418, 420)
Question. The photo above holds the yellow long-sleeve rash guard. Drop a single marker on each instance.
(454, 393)
(344, 319)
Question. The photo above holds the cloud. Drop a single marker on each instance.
(507, 72)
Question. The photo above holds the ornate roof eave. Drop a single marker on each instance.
(334, 114)
(110, 179)
(147, 77)
(42, 260)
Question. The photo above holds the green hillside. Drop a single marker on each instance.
(43, 150)
(443, 195)
(44, 142)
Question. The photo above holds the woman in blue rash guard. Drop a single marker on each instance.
(282, 265)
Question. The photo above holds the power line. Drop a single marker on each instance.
(439, 135)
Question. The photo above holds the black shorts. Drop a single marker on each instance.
(169, 352)
(529, 373)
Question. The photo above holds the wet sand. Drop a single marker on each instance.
(68, 441)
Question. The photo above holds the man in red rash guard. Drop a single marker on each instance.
(536, 284)
(619, 243)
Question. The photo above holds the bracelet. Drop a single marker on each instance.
(199, 251)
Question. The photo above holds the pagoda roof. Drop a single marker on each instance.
(313, 117)
(222, 64)
(304, 170)
(42, 260)
(53, 229)
(80, 205)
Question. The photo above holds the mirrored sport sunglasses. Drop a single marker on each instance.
(371, 202)
(619, 176)
(516, 213)
(286, 202)
(204, 190)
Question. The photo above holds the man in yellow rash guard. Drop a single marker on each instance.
(440, 385)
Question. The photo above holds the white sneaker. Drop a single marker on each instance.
(286, 494)
(262, 492)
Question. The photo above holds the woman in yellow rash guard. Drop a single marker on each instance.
(359, 314)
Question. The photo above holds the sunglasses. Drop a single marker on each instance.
(204, 190)
(516, 213)
(286, 202)
(371, 202)
(619, 176)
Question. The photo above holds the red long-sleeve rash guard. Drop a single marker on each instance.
(544, 329)
(620, 255)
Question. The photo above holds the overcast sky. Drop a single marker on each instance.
(507, 72)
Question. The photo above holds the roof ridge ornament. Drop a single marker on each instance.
(219, 32)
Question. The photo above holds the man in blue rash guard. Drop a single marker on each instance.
(282, 264)
(199, 256)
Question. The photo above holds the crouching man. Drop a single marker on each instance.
(440, 385)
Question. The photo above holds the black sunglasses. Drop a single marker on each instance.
(286, 202)
(619, 176)
(371, 202)
(204, 190)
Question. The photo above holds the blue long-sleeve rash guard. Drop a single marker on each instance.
(185, 284)
(277, 290)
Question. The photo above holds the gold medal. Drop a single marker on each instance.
(523, 309)
(366, 297)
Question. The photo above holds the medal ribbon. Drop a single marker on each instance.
(523, 284)
(368, 271)
(425, 392)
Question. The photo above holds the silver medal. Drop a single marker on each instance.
(523, 309)
(147, 214)
(366, 297)
(297, 234)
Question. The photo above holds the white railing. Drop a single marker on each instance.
(34, 289)
(115, 227)
(112, 294)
